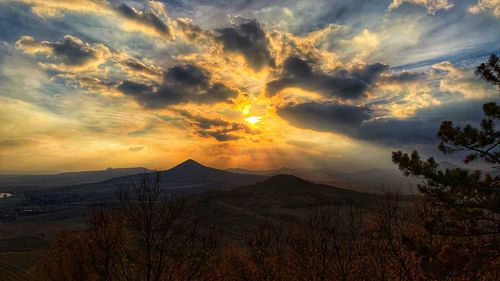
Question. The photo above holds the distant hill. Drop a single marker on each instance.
(372, 180)
(320, 174)
(289, 191)
(281, 197)
(69, 178)
(189, 177)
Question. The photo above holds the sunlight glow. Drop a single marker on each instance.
(253, 119)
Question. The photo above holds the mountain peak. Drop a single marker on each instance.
(190, 163)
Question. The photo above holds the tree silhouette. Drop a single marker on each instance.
(467, 203)
(148, 238)
(490, 70)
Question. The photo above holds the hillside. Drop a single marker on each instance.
(281, 197)
(372, 180)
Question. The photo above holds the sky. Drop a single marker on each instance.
(254, 84)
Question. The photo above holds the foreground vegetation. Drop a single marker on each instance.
(151, 236)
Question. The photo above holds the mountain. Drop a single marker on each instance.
(68, 178)
(189, 177)
(281, 197)
(372, 180)
(191, 171)
(290, 191)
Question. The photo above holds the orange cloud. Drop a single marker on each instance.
(491, 6)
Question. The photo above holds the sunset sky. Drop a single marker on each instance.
(261, 84)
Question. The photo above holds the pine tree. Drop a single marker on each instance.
(466, 204)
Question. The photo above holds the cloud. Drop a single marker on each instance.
(326, 117)
(92, 84)
(136, 68)
(404, 77)
(216, 128)
(356, 122)
(343, 84)
(191, 31)
(491, 6)
(461, 82)
(249, 40)
(71, 52)
(363, 44)
(55, 8)
(403, 93)
(392, 131)
(152, 20)
(190, 75)
(432, 5)
(182, 84)
(90, 66)
(422, 127)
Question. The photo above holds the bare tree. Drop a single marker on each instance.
(393, 226)
(197, 246)
(147, 238)
(107, 243)
(152, 216)
(263, 255)
(313, 245)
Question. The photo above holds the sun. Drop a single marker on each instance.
(253, 119)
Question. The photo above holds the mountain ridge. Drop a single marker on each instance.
(68, 178)
(188, 177)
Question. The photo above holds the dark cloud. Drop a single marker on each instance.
(207, 123)
(424, 125)
(370, 73)
(220, 135)
(71, 50)
(189, 74)
(139, 67)
(217, 128)
(393, 131)
(342, 83)
(298, 67)
(329, 117)
(249, 40)
(146, 17)
(355, 121)
(191, 31)
(182, 84)
(404, 77)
